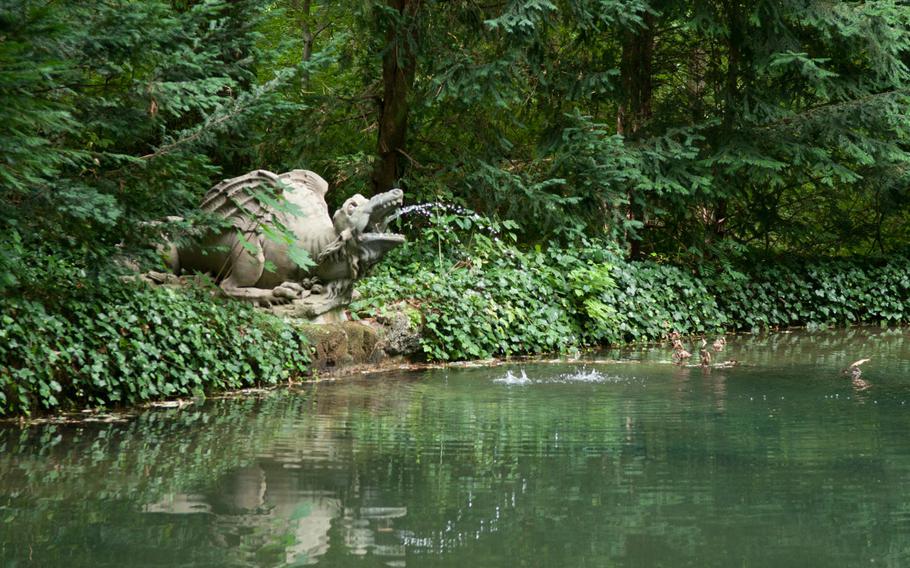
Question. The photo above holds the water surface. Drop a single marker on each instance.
(780, 461)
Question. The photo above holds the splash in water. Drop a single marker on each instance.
(585, 375)
(511, 379)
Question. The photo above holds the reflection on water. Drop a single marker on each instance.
(779, 461)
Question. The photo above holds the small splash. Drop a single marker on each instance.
(511, 379)
(585, 375)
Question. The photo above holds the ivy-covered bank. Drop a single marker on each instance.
(498, 300)
(123, 343)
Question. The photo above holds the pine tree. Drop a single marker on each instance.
(109, 117)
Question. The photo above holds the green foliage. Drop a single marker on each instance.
(118, 113)
(125, 343)
(486, 297)
(771, 127)
(677, 125)
(490, 298)
(654, 299)
(830, 292)
(473, 314)
(537, 302)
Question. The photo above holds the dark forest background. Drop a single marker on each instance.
(677, 129)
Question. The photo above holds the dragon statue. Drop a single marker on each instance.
(272, 217)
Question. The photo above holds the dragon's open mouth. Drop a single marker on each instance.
(383, 209)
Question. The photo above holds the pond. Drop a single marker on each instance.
(779, 461)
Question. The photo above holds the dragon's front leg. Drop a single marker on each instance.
(246, 270)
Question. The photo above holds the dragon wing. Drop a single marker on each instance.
(293, 203)
(244, 199)
(311, 223)
(309, 180)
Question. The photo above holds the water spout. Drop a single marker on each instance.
(429, 208)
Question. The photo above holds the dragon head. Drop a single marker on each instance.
(365, 220)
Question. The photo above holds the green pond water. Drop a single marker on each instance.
(780, 461)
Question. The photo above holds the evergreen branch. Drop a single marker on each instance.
(240, 104)
(195, 134)
(811, 112)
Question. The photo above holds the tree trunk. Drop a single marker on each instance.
(696, 83)
(635, 107)
(302, 10)
(732, 9)
(399, 62)
(307, 32)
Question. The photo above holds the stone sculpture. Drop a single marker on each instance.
(272, 217)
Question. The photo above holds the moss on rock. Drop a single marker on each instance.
(344, 344)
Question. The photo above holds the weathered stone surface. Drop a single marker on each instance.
(401, 326)
(391, 339)
(345, 344)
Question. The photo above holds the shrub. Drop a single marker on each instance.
(125, 343)
(822, 292)
(487, 297)
(653, 299)
(506, 306)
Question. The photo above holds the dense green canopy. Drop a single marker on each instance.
(716, 127)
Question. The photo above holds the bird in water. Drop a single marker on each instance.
(720, 343)
(679, 353)
(853, 370)
(705, 354)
